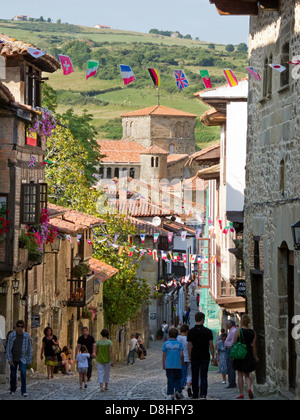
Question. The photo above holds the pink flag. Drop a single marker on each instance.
(66, 64)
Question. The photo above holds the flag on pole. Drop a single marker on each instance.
(254, 73)
(35, 52)
(277, 67)
(155, 77)
(127, 74)
(230, 77)
(181, 80)
(206, 79)
(92, 69)
(67, 65)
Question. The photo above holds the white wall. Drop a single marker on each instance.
(236, 137)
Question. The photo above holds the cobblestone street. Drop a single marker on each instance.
(145, 380)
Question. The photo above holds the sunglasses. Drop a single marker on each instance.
(20, 326)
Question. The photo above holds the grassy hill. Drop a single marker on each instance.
(105, 96)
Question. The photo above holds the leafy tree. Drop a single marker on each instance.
(125, 293)
(242, 47)
(229, 48)
(67, 184)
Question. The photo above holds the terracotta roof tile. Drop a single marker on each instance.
(159, 110)
(154, 150)
(176, 158)
(120, 151)
(10, 47)
(102, 270)
(71, 221)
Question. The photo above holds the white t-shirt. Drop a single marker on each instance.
(183, 340)
(132, 344)
(82, 360)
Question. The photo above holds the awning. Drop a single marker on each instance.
(213, 172)
(102, 270)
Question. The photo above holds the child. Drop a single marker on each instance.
(198, 299)
(82, 365)
(172, 363)
(66, 361)
(104, 357)
(183, 339)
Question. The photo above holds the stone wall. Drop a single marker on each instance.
(272, 182)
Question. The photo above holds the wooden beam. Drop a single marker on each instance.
(233, 7)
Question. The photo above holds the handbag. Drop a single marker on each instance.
(239, 350)
(56, 349)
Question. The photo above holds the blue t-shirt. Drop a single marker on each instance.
(173, 347)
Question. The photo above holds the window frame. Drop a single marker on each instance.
(40, 201)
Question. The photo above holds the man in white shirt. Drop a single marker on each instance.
(132, 349)
(165, 329)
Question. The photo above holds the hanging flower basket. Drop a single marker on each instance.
(4, 223)
(90, 313)
(44, 123)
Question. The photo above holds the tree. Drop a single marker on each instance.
(211, 46)
(58, 21)
(229, 48)
(242, 47)
(124, 293)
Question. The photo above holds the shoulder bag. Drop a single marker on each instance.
(239, 349)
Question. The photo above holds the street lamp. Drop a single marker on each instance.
(3, 289)
(296, 235)
(76, 260)
(24, 300)
(15, 283)
(55, 245)
(43, 308)
(97, 287)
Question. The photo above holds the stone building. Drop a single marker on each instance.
(272, 190)
(156, 144)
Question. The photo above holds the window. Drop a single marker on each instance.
(33, 200)
(285, 57)
(282, 176)
(223, 287)
(156, 162)
(152, 162)
(256, 255)
(171, 152)
(132, 173)
(33, 87)
(124, 172)
(117, 172)
(108, 173)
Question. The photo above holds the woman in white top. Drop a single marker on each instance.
(183, 339)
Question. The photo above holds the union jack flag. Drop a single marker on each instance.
(32, 162)
(181, 80)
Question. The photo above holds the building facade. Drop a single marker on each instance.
(272, 190)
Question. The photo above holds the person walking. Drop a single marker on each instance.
(132, 349)
(165, 329)
(19, 354)
(245, 366)
(230, 325)
(183, 339)
(172, 362)
(104, 359)
(82, 359)
(221, 352)
(50, 348)
(200, 345)
(89, 341)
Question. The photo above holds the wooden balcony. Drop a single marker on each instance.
(81, 291)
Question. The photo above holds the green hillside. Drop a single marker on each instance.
(105, 96)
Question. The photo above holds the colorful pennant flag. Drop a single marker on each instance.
(121, 249)
(277, 67)
(35, 52)
(170, 237)
(127, 74)
(198, 233)
(92, 69)
(155, 77)
(156, 235)
(254, 73)
(230, 77)
(181, 80)
(183, 235)
(66, 63)
(295, 62)
(206, 79)
(143, 237)
(220, 224)
(46, 162)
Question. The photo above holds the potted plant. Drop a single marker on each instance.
(4, 223)
(159, 334)
(81, 270)
(89, 312)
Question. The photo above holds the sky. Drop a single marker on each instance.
(198, 18)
